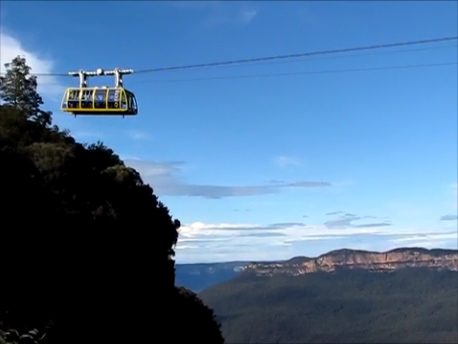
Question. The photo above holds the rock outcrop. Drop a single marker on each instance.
(355, 259)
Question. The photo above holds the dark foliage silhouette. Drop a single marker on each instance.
(86, 246)
(191, 314)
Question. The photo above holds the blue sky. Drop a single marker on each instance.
(272, 167)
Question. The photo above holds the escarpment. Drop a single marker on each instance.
(354, 259)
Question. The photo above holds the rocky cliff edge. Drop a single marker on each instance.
(355, 259)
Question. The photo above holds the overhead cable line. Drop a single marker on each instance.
(335, 71)
(345, 56)
(307, 59)
(305, 72)
(290, 56)
(277, 57)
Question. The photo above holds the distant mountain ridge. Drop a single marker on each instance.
(439, 259)
(200, 276)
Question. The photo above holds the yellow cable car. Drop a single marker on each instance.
(84, 100)
(99, 101)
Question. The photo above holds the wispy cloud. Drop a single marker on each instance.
(11, 47)
(346, 220)
(219, 13)
(245, 241)
(246, 210)
(165, 180)
(339, 212)
(138, 135)
(428, 240)
(247, 15)
(285, 161)
(449, 217)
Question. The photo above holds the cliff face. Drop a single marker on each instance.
(371, 261)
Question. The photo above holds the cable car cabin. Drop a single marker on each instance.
(99, 101)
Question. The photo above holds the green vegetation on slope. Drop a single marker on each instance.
(407, 306)
(86, 246)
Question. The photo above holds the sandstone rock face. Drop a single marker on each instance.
(353, 259)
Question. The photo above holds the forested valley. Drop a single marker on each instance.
(409, 305)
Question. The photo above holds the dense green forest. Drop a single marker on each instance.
(413, 305)
(86, 247)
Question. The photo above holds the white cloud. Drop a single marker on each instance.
(449, 217)
(427, 238)
(202, 230)
(248, 15)
(231, 241)
(285, 161)
(219, 13)
(186, 247)
(152, 170)
(11, 47)
(429, 241)
(252, 241)
(138, 135)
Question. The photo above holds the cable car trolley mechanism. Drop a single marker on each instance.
(102, 100)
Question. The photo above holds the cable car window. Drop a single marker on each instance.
(113, 98)
(100, 95)
(86, 101)
(124, 100)
(134, 102)
(73, 98)
(74, 95)
(100, 99)
(87, 95)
